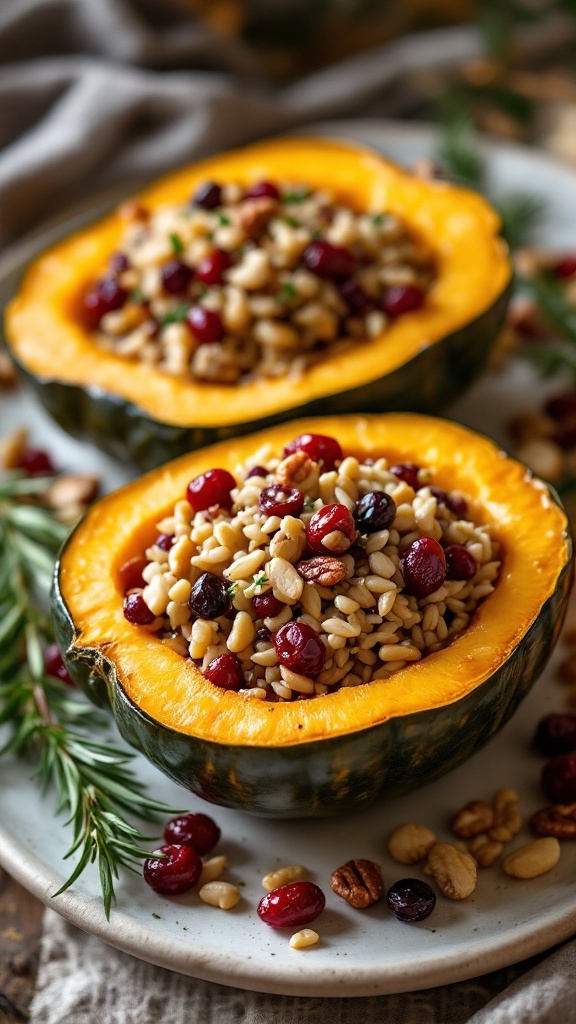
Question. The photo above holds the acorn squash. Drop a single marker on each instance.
(332, 753)
(422, 360)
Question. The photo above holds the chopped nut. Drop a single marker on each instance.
(220, 894)
(453, 871)
(283, 876)
(485, 851)
(410, 843)
(74, 490)
(507, 818)
(476, 817)
(359, 882)
(253, 215)
(12, 447)
(324, 570)
(534, 859)
(558, 820)
(212, 869)
(7, 372)
(304, 938)
(295, 470)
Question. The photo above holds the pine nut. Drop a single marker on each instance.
(220, 894)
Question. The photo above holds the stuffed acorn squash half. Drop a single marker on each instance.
(295, 622)
(293, 277)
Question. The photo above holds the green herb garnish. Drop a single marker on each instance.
(137, 296)
(223, 219)
(292, 222)
(176, 315)
(232, 590)
(287, 292)
(176, 243)
(261, 580)
(299, 195)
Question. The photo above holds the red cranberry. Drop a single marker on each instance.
(263, 635)
(562, 405)
(559, 779)
(208, 196)
(130, 573)
(454, 502)
(266, 606)
(566, 267)
(374, 511)
(300, 648)
(354, 295)
(206, 325)
(556, 734)
(209, 597)
(104, 296)
(410, 899)
(165, 541)
(137, 611)
(402, 298)
(195, 830)
(34, 462)
(335, 524)
(210, 488)
(407, 472)
(118, 262)
(257, 471)
(54, 665)
(176, 276)
(177, 872)
(261, 190)
(319, 448)
(225, 672)
(424, 567)
(212, 268)
(565, 433)
(278, 500)
(330, 261)
(292, 905)
(460, 564)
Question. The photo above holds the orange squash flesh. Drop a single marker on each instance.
(460, 228)
(529, 524)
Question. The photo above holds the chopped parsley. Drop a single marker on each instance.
(137, 295)
(299, 195)
(176, 315)
(309, 503)
(261, 580)
(223, 219)
(176, 243)
(287, 292)
(232, 590)
(292, 222)
(378, 220)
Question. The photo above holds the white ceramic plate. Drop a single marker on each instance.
(360, 952)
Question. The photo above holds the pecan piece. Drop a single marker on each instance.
(324, 570)
(7, 371)
(253, 215)
(359, 882)
(559, 820)
(476, 817)
(295, 470)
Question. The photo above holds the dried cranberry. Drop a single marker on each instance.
(375, 511)
(35, 462)
(54, 665)
(424, 567)
(266, 606)
(410, 899)
(402, 298)
(176, 276)
(226, 672)
(206, 325)
(208, 196)
(566, 267)
(292, 905)
(209, 597)
(263, 635)
(556, 734)
(333, 262)
(177, 872)
(278, 500)
(408, 473)
(318, 447)
(165, 541)
(118, 262)
(195, 830)
(212, 268)
(257, 471)
(454, 502)
(137, 611)
(354, 295)
(104, 296)
(130, 573)
(562, 405)
(261, 190)
(331, 530)
(300, 648)
(559, 779)
(460, 564)
(210, 488)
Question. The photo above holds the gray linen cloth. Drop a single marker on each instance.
(98, 92)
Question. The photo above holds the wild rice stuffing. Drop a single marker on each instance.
(257, 282)
(311, 571)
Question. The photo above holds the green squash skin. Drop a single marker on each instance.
(335, 775)
(427, 383)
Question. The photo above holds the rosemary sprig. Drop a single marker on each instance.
(45, 720)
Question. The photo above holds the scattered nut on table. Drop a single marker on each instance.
(359, 882)
(220, 894)
(534, 859)
(559, 820)
(454, 871)
(485, 851)
(212, 869)
(476, 817)
(304, 938)
(507, 817)
(283, 876)
(410, 843)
